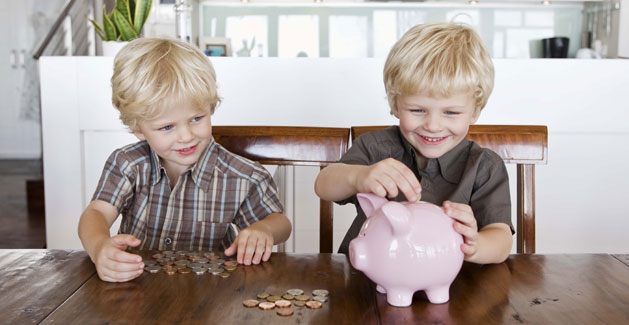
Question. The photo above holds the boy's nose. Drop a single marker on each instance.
(432, 123)
(185, 134)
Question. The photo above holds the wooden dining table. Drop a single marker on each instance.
(62, 287)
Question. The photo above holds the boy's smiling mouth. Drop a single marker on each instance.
(432, 140)
(187, 151)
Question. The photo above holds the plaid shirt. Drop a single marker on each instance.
(220, 189)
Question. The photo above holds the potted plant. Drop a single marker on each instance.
(123, 24)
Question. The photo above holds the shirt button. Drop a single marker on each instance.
(168, 241)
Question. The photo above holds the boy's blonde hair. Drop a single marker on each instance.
(151, 74)
(439, 60)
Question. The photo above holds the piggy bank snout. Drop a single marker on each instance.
(357, 255)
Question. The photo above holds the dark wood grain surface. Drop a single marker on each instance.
(527, 289)
(34, 282)
(191, 298)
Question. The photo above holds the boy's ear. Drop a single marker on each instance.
(139, 135)
(475, 116)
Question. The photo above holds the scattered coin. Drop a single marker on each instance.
(219, 261)
(265, 305)
(273, 298)
(179, 266)
(184, 270)
(285, 311)
(230, 263)
(168, 253)
(198, 270)
(250, 303)
(157, 256)
(320, 292)
(202, 260)
(224, 275)
(320, 299)
(218, 271)
(295, 292)
(149, 263)
(282, 303)
(263, 295)
(313, 304)
(299, 303)
(288, 296)
(213, 257)
(302, 297)
(152, 268)
(170, 271)
(182, 262)
(229, 268)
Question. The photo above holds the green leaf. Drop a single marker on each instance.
(142, 11)
(132, 9)
(108, 27)
(127, 32)
(123, 8)
(99, 30)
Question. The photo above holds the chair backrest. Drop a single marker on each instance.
(523, 145)
(290, 146)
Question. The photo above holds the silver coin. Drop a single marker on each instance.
(153, 269)
(198, 270)
(320, 299)
(180, 253)
(295, 292)
(208, 254)
(216, 271)
(168, 253)
(149, 262)
(219, 261)
(163, 260)
(193, 265)
(203, 260)
(320, 292)
(182, 262)
(192, 254)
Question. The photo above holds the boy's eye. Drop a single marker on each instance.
(451, 113)
(417, 110)
(166, 128)
(197, 119)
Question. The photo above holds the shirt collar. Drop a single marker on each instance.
(450, 165)
(196, 171)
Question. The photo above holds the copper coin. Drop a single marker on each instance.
(313, 304)
(166, 263)
(250, 303)
(179, 267)
(320, 292)
(273, 298)
(213, 257)
(150, 263)
(208, 254)
(184, 270)
(265, 305)
(158, 256)
(224, 275)
(302, 297)
(263, 295)
(170, 271)
(288, 296)
(229, 268)
(282, 303)
(299, 303)
(284, 311)
(168, 267)
(230, 263)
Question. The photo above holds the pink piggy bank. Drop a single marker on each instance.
(406, 247)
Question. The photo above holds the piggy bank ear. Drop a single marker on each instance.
(399, 217)
(370, 202)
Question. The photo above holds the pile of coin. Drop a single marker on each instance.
(292, 297)
(184, 262)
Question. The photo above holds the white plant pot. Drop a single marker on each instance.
(111, 48)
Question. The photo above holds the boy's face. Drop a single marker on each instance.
(178, 136)
(435, 125)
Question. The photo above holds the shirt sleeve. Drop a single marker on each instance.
(116, 182)
(262, 199)
(491, 199)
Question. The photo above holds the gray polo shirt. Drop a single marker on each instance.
(466, 174)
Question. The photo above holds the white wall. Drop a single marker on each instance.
(585, 105)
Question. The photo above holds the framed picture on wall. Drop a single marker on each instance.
(215, 46)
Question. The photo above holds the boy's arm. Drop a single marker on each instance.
(112, 262)
(385, 178)
(494, 244)
(255, 243)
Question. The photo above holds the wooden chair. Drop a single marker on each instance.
(290, 146)
(523, 145)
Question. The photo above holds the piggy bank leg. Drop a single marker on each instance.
(380, 289)
(400, 297)
(438, 295)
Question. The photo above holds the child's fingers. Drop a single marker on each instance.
(231, 249)
(111, 276)
(125, 257)
(260, 250)
(242, 246)
(252, 243)
(124, 240)
(124, 267)
(407, 181)
(268, 250)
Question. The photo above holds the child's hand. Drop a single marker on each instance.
(113, 264)
(465, 225)
(387, 178)
(253, 244)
